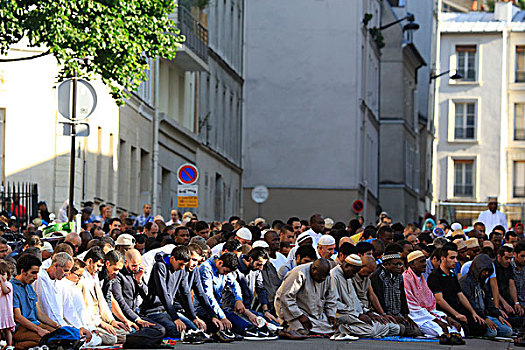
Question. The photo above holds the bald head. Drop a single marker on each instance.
(320, 269)
(133, 261)
(133, 254)
(269, 235)
(369, 266)
(74, 239)
(346, 240)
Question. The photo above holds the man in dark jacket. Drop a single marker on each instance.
(126, 290)
(169, 277)
(388, 286)
(449, 298)
(195, 285)
(479, 296)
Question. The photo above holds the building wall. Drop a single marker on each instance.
(486, 93)
(33, 150)
(310, 97)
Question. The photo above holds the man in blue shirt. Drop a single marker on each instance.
(214, 275)
(141, 220)
(32, 324)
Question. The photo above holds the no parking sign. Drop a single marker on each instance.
(187, 174)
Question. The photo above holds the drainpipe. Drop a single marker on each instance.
(155, 157)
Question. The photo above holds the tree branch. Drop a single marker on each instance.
(24, 58)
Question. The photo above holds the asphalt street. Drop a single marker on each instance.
(324, 344)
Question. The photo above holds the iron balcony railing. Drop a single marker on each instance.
(195, 33)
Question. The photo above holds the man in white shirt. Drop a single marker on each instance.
(316, 228)
(97, 309)
(492, 217)
(49, 289)
(73, 302)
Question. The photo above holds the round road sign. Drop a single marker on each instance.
(260, 194)
(358, 206)
(86, 99)
(187, 174)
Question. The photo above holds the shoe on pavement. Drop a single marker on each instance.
(191, 337)
(344, 336)
(233, 335)
(291, 335)
(265, 332)
(253, 333)
(221, 337)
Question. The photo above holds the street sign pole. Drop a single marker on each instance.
(73, 140)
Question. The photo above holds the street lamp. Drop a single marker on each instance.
(455, 76)
(409, 28)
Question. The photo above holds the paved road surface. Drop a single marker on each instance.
(325, 344)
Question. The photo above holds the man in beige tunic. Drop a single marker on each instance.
(306, 302)
(352, 317)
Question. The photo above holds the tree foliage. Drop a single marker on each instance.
(110, 39)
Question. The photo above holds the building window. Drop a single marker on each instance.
(465, 121)
(466, 62)
(520, 64)
(463, 178)
(519, 121)
(518, 184)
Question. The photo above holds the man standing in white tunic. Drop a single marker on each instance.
(306, 302)
(316, 228)
(492, 217)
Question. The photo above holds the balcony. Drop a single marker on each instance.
(193, 55)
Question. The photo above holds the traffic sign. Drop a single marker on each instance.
(358, 206)
(260, 194)
(81, 129)
(187, 174)
(188, 196)
(86, 99)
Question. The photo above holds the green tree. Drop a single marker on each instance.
(110, 39)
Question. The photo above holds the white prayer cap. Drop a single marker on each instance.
(303, 236)
(329, 223)
(47, 247)
(326, 240)
(354, 259)
(244, 233)
(261, 244)
(456, 226)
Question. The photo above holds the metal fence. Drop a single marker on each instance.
(19, 200)
(195, 33)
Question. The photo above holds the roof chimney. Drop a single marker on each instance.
(504, 11)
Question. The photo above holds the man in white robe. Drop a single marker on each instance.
(352, 317)
(306, 302)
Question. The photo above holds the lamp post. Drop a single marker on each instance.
(409, 28)
(455, 76)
